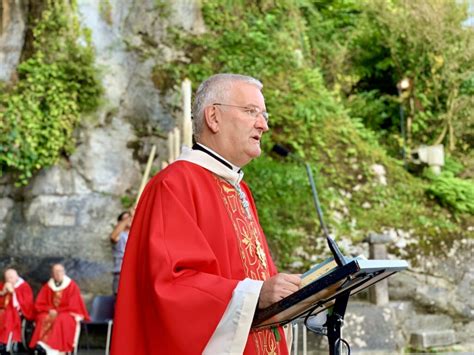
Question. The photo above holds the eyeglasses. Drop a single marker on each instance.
(251, 110)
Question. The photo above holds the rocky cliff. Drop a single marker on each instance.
(67, 211)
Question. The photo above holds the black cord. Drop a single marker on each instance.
(322, 330)
(348, 347)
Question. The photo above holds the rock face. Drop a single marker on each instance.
(430, 305)
(441, 284)
(12, 35)
(391, 329)
(67, 211)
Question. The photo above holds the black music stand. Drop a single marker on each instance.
(333, 289)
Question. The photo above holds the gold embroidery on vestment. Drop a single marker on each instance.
(252, 253)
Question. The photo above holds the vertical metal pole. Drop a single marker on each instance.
(335, 321)
(305, 341)
(402, 128)
(295, 338)
(109, 335)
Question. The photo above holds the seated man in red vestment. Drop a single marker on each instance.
(16, 300)
(197, 263)
(59, 309)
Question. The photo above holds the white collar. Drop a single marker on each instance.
(18, 282)
(235, 168)
(66, 282)
(213, 165)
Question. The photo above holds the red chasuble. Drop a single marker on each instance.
(190, 244)
(58, 332)
(11, 309)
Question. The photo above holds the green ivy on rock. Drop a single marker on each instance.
(55, 85)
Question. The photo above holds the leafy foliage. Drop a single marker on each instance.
(285, 184)
(427, 43)
(56, 84)
(453, 192)
(277, 43)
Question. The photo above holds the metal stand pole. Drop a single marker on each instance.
(402, 128)
(305, 341)
(335, 322)
(295, 338)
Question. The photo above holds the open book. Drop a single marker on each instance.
(322, 269)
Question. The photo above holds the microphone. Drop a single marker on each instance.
(285, 152)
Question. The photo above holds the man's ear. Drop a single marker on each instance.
(212, 118)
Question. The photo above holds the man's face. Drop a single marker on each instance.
(11, 276)
(58, 273)
(240, 133)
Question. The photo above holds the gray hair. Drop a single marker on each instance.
(215, 89)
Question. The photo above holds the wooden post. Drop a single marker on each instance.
(176, 143)
(187, 125)
(171, 156)
(149, 163)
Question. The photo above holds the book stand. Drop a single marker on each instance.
(331, 290)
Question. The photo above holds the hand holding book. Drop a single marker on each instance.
(278, 287)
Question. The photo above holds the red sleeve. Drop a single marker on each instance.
(24, 295)
(172, 291)
(72, 301)
(43, 301)
(2, 298)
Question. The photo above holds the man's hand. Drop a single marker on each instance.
(8, 287)
(278, 287)
(53, 313)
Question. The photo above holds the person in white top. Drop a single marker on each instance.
(118, 238)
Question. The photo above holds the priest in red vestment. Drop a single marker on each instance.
(16, 300)
(197, 264)
(59, 309)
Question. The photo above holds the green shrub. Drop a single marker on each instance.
(286, 209)
(452, 192)
(57, 83)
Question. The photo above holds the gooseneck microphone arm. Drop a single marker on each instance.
(338, 257)
(316, 199)
(331, 243)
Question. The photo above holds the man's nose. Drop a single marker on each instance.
(261, 123)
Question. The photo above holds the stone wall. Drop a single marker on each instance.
(12, 35)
